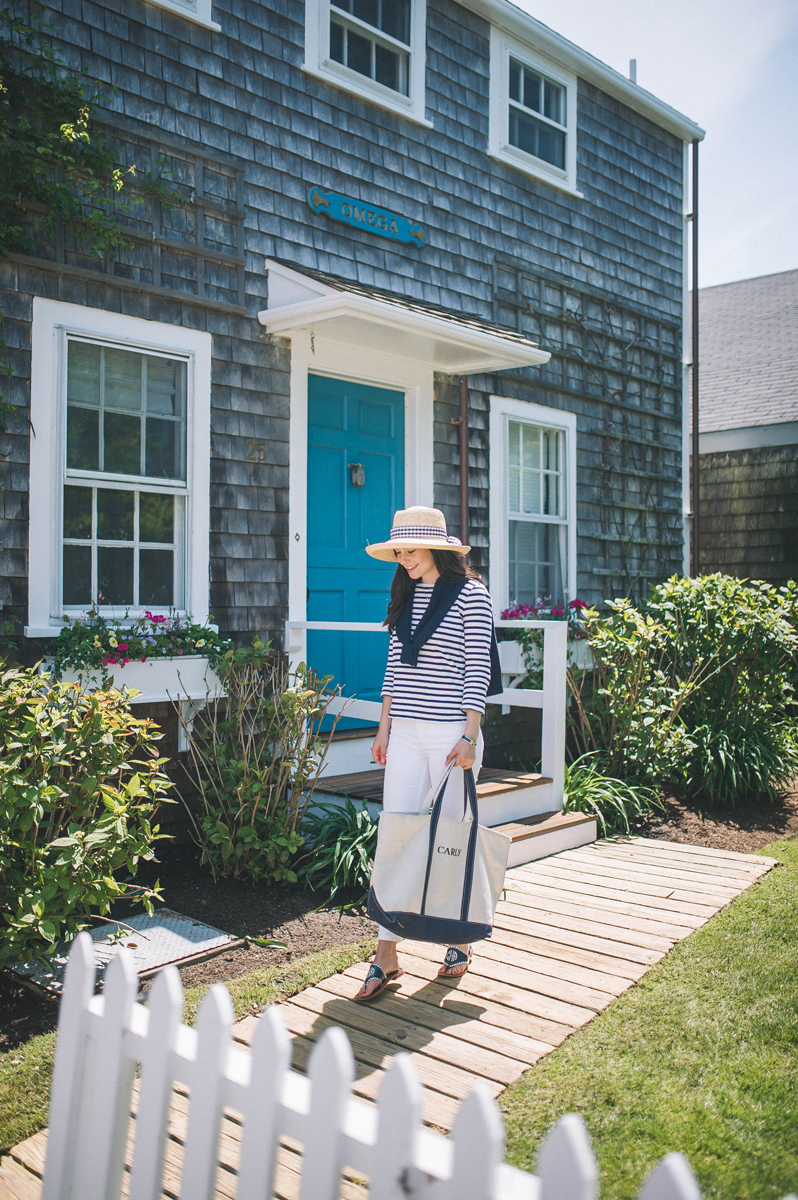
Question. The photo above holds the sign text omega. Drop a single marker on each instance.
(367, 217)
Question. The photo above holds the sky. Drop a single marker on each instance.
(732, 67)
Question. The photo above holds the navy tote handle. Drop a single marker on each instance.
(470, 799)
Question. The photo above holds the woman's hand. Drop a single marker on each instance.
(463, 754)
(379, 747)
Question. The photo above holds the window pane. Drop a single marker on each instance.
(365, 10)
(551, 495)
(515, 443)
(537, 139)
(552, 102)
(395, 19)
(551, 445)
(531, 492)
(515, 81)
(336, 41)
(358, 53)
(344, 5)
(156, 577)
(387, 67)
(163, 450)
(122, 444)
(123, 379)
(115, 515)
(532, 84)
(77, 512)
(83, 373)
(114, 574)
(77, 575)
(165, 386)
(156, 518)
(515, 489)
(83, 442)
(532, 446)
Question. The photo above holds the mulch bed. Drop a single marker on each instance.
(290, 914)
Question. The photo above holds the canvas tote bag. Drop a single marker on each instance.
(436, 879)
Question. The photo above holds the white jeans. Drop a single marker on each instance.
(416, 761)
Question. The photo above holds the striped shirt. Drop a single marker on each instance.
(453, 668)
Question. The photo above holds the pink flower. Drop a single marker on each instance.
(180, 652)
(122, 647)
(144, 658)
(558, 612)
(577, 604)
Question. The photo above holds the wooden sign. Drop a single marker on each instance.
(367, 217)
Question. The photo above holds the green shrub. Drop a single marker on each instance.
(343, 840)
(615, 803)
(254, 758)
(694, 688)
(79, 780)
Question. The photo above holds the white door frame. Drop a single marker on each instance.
(311, 352)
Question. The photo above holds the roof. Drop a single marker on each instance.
(520, 24)
(748, 353)
(409, 302)
(302, 300)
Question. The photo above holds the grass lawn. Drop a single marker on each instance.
(25, 1072)
(701, 1056)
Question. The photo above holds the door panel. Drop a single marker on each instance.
(351, 423)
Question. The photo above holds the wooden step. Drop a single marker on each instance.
(367, 785)
(548, 833)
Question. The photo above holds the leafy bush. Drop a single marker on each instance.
(79, 780)
(92, 644)
(693, 688)
(254, 758)
(343, 840)
(617, 805)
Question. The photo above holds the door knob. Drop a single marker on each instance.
(357, 473)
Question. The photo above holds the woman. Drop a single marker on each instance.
(433, 697)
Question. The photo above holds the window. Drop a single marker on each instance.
(119, 466)
(533, 499)
(357, 45)
(535, 484)
(197, 11)
(374, 48)
(532, 112)
(126, 421)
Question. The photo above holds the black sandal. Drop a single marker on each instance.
(455, 957)
(375, 972)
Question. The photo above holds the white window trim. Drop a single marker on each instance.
(199, 12)
(502, 49)
(52, 321)
(319, 64)
(502, 411)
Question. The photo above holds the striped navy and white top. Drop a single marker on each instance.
(453, 668)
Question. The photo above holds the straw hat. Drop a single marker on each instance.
(417, 528)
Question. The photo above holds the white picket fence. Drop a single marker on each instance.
(102, 1038)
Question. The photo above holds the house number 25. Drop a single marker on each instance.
(256, 450)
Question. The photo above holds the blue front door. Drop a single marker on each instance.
(355, 433)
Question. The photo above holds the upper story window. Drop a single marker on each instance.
(374, 48)
(197, 11)
(532, 112)
(120, 476)
(373, 39)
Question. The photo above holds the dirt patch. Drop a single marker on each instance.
(748, 826)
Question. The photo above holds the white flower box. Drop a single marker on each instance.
(183, 677)
(511, 656)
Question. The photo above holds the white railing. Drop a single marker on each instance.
(92, 1137)
(551, 698)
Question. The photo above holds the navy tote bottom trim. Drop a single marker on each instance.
(421, 928)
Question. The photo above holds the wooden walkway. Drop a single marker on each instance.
(574, 931)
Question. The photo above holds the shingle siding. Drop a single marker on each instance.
(242, 95)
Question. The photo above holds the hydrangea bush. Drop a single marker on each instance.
(92, 643)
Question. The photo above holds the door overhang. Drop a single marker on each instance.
(370, 319)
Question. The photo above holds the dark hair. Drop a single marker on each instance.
(450, 566)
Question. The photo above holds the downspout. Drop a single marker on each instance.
(695, 540)
(462, 421)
